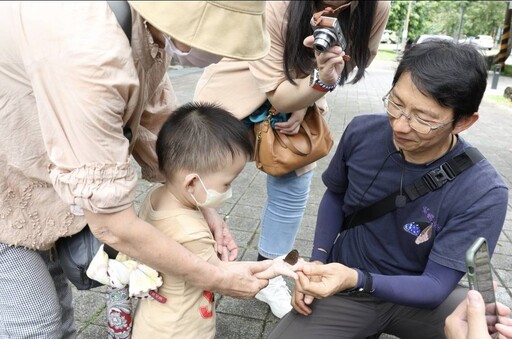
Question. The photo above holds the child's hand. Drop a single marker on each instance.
(280, 267)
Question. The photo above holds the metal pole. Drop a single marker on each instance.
(406, 26)
(496, 76)
(461, 19)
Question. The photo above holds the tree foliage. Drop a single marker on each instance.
(443, 17)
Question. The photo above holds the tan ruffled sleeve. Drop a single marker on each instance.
(84, 86)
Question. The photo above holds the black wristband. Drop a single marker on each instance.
(367, 283)
(366, 288)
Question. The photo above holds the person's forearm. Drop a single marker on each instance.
(329, 220)
(289, 98)
(438, 282)
(138, 239)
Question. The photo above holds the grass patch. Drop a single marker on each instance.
(499, 99)
(506, 71)
(384, 54)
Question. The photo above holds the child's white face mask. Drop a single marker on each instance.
(213, 198)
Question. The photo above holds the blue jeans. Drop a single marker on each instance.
(287, 197)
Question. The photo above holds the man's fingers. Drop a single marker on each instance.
(313, 269)
(308, 299)
(298, 303)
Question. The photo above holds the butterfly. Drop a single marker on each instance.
(292, 257)
(421, 229)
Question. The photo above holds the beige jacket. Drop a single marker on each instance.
(69, 82)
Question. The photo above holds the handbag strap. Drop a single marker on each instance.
(287, 142)
(123, 13)
(431, 181)
(283, 138)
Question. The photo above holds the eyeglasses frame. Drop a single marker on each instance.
(411, 116)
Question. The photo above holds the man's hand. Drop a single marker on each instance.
(301, 301)
(321, 281)
(240, 279)
(226, 246)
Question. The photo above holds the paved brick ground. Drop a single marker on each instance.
(251, 319)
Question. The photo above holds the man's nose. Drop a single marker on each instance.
(401, 124)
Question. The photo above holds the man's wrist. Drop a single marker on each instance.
(364, 283)
(360, 275)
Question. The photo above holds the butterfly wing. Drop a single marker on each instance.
(425, 235)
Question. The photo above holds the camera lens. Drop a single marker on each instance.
(323, 39)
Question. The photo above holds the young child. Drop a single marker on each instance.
(201, 149)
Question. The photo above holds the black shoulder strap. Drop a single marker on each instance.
(123, 13)
(430, 182)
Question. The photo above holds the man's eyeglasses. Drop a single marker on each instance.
(416, 123)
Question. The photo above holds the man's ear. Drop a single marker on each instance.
(465, 123)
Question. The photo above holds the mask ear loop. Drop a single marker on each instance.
(202, 184)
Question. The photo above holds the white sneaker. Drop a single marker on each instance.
(277, 296)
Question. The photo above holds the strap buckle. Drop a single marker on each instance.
(436, 178)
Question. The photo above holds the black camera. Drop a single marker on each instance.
(327, 32)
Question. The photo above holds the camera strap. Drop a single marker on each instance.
(431, 181)
(328, 10)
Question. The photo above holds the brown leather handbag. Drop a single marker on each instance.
(277, 153)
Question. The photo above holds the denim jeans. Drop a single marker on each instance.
(287, 197)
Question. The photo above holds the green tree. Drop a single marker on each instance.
(484, 17)
(442, 17)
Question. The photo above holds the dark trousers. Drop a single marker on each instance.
(357, 317)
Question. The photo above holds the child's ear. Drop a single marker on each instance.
(190, 182)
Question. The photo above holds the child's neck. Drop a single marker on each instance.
(166, 199)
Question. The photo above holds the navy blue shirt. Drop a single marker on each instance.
(472, 205)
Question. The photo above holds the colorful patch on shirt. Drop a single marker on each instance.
(432, 218)
(422, 230)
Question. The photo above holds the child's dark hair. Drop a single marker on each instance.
(200, 137)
